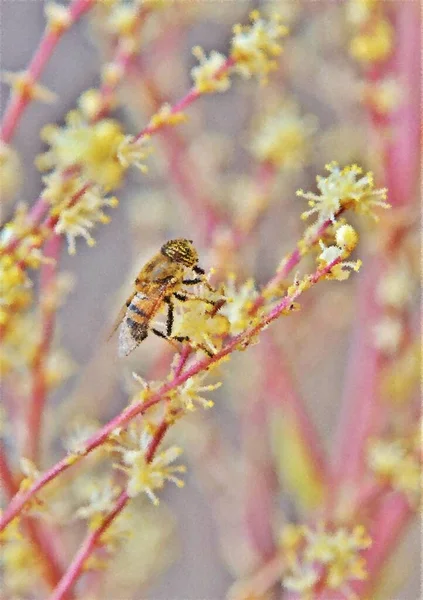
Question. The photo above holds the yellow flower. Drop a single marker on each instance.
(15, 289)
(93, 148)
(375, 43)
(146, 477)
(396, 461)
(165, 116)
(343, 189)
(284, 138)
(189, 393)
(196, 320)
(338, 551)
(133, 152)
(100, 496)
(239, 302)
(78, 219)
(210, 75)
(23, 84)
(255, 46)
(59, 17)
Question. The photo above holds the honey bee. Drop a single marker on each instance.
(158, 282)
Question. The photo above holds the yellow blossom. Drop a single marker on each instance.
(100, 496)
(15, 289)
(93, 148)
(239, 301)
(146, 477)
(76, 220)
(284, 138)
(90, 103)
(346, 238)
(337, 550)
(375, 43)
(59, 17)
(133, 152)
(189, 393)
(254, 47)
(23, 84)
(330, 254)
(396, 461)
(210, 75)
(20, 566)
(165, 116)
(197, 320)
(343, 189)
(301, 580)
(123, 19)
(384, 96)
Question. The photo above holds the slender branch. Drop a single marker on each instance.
(19, 101)
(61, 592)
(93, 539)
(48, 310)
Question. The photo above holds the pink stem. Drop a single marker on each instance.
(61, 592)
(39, 390)
(359, 407)
(281, 393)
(18, 102)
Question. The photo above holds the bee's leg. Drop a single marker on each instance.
(188, 296)
(198, 270)
(169, 319)
(159, 333)
(193, 281)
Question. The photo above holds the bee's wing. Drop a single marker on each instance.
(134, 327)
(120, 316)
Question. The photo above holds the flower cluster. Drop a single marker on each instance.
(346, 239)
(254, 47)
(253, 51)
(238, 305)
(343, 189)
(20, 564)
(284, 138)
(146, 476)
(210, 75)
(322, 554)
(396, 462)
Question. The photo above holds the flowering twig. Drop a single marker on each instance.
(94, 537)
(140, 408)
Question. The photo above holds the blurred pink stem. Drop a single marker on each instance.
(360, 395)
(48, 312)
(18, 102)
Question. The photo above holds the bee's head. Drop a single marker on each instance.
(180, 251)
